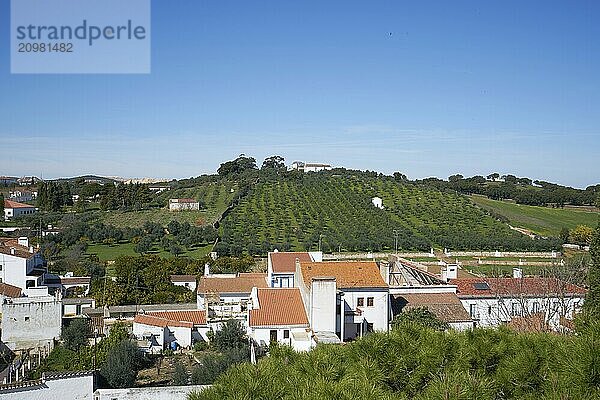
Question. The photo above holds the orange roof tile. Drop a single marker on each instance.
(285, 262)
(243, 283)
(348, 274)
(20, 251)
(196, 317)
(9, 290)
(183, 278)
(161, 322)
(279, 307)
(15, 204)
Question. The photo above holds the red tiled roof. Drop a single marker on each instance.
(348, 274)
(161, 322)
(183, 278)
(10, 290)
(283, 262)
(14, 204)
(279, 307)
(446, 306)
(243, 283)
(528, 286)
(76, 280)
(196, 317)
(20, 251)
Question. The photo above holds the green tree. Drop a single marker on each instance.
(144, 245)
(564, 235)
(421, 317)
(231, 336)
(592, 299)
(75, 334)
(581, 235)
(122, 364)
(180, 376)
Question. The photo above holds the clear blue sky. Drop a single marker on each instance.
(426, 88)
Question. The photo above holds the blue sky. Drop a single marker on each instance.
(426, 88)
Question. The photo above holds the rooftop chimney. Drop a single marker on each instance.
(12, 251)
(517, 273)
(23, 241)
(206, 269)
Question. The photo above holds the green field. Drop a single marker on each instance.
(542, 220)
(108, 253)
(336, 210)
(215, 196)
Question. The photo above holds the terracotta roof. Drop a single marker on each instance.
(9, 290)
(20, 251)
(279, 307)
(183, 278)
(243, 283)
(158, 321)
(196, 317)
(14, 204)
(348, 274)
(529, 287)
(75, 280)
(283, 262)
(446, 306)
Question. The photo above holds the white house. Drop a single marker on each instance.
(79, 385)
(9, 291)
(20, 264)
(377, 202)
(278, 315)
(496, 301)
(309, 167)
(186, 281)
(74, 306)
(68, 284)
(13, 209)
(281, 266)
(184, 205)
(226, 296)
(411, 286)
(162, 329)
(348, 298)
(31, 322)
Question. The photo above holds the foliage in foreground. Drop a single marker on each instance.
(419, 363)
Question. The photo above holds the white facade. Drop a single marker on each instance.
(13, 212)
(67, 386)
(183, 205)
(31, 322)
(299, 338)
(21, 266)
(365, 310)
(495, 311)
(309, 167)
(148, 393)
(377, 202)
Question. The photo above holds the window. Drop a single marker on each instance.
(489, 310)
(535, 307)
(515, 309)
(26, 318)
(473, 310)
(369, 327)
(286, 333)
(273, 335)
(370, 301)
(360, 302)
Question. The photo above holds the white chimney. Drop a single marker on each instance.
(206, 269)
(12, 251)
(517, 272)
(31, 249)
(444, 274)
(23, 241)
(452, 271)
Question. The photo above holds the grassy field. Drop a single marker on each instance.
(109, 253)
(542, 220)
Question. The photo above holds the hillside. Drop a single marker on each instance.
(295, 212)
(542, 220)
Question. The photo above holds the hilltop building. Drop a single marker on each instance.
(309, 167)
(281, 266)
(184, 205)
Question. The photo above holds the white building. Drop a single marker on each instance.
(411, 286)
(31, 322)
(68, 284)
(309, 167)
(278, 315)
(186, 281)
(226, 296)
(20, 196)
(162, 329)
(9, 291)
(495, 301)
(347, 298)
(13, 209)
(78, 385)
(377, 202)
(148, 393)
(184, 205)
(281, 266)
(20, 264)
